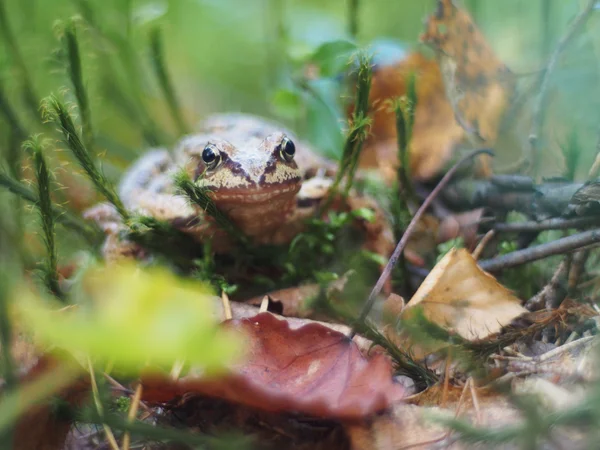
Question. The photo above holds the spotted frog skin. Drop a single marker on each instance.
(265, 180)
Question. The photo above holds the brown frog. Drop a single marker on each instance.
(258, 174)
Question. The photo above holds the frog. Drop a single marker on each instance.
(264, 179)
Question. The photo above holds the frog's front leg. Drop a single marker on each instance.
(146, 189)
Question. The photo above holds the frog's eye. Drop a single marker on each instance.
(287, 149)
(211, 157)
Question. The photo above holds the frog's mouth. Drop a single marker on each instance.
(252, 196)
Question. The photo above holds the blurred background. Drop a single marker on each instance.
(246, 55)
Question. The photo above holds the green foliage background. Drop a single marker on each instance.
(241, 55)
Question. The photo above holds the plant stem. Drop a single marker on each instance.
(8, 365)
(56, 111)
(9, 113)
(359, 127)
(353, 14)
(44, 205)
(31, 99)
(164, 81)
(62, 216)
(76, 76)
(405, 119)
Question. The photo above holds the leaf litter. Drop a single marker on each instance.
(323, 372)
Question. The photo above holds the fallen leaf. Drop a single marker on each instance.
(415, 427)
(459, 296)
(35, 421)
(312, 370)
(462, 97)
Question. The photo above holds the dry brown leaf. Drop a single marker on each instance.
(462, 97)
(42, 426)
(311, 369)
(459, 296)
(414, 427)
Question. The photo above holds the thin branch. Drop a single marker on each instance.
(560, 246)
(409, 230)
(539, 105)
(538, 301)
(556, 223)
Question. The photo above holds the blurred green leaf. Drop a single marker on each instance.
(332, 58)
(288, 103)
(139, 317)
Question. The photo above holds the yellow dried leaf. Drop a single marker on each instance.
(459, 296)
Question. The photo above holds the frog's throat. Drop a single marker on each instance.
(259, 213)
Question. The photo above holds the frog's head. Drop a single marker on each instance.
(253, 179)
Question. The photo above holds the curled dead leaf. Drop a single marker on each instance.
(463, 95)
(311, 369)
(459, 296)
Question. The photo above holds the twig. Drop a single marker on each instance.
(109, 434)
(576, 269)
(548, 224)
(409, 230)
(475, 402)
(537, 301)
(540, 102)
(264, 304)
(164, 81)
(483, 243)
(133, 410)
(226, 306)
(563, 245)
